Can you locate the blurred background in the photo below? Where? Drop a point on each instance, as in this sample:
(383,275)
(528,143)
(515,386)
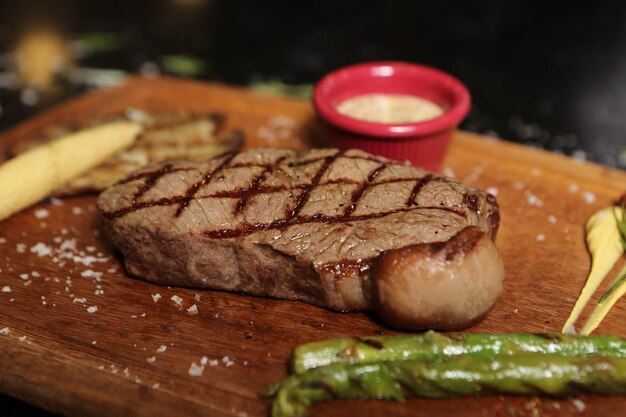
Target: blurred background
(546,74)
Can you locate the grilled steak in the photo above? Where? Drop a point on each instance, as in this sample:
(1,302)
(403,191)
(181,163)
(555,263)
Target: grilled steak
(308,226)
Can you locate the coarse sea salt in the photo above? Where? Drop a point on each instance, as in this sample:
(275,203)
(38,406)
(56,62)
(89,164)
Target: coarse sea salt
(156,297)
(42,213)
(177,300)
(20,248)
(579,405)
(589,197)
(552,219)
(88,273)
(541,237)
(41,249)
(532,199)
(151,359)
(193,309)
(3,240)
(79,300)
(5,331)
(162,349)
(493,191)
(92,309)
(195,369)
(6,288)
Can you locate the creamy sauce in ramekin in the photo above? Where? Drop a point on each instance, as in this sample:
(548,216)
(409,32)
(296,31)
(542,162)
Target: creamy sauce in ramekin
(389,108)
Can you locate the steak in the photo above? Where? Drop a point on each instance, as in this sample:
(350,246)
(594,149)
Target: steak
(298,225)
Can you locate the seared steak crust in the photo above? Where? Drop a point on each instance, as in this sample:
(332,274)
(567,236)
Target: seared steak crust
(277,222)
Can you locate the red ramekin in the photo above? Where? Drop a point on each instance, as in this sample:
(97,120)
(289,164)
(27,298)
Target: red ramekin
(423,144)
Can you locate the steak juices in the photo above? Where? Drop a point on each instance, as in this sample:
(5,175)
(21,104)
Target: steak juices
(345,230)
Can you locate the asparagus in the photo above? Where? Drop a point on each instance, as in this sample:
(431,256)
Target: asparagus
(522,375)
(433,346)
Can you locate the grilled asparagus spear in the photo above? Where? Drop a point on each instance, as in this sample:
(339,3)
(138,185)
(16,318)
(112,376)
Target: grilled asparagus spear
(524,375)
(433,346)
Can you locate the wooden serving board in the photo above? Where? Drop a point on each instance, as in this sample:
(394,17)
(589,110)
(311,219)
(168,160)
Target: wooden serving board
(79,337)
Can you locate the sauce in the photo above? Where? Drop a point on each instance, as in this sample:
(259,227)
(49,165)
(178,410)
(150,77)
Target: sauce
(390,108)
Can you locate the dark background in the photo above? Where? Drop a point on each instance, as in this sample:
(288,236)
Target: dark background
(546,74)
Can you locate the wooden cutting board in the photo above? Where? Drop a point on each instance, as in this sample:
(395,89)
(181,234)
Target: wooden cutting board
(79,337)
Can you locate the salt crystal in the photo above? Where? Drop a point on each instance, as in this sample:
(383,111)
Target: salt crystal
(151,359)
(541,237)
(126,372)
(193,309)
(101,367)
(20,248)
(552,219)
(93,342)
(589,197)
(176,299)
(41,213)
(573,188)
(242,414)
(112,270)
(197,297)
(27,283)
(77,211)
(196,370)
(162,349)
(532,199)
(92,309)
(88,273)
(21,338)
(5,331)
(35,274)
(3,240)
(57,239)
(90,248)
(64,231)
(56,202)
(88,260)
(156,297)
(493,191)
(79,300)
(156,385)
(41,249)
(214,362)
(204,360)
(578,404)
(68,244)
(6,288)
(448,172)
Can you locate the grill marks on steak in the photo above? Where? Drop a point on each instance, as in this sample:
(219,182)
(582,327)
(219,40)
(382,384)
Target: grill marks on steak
(328,213)
(256,188)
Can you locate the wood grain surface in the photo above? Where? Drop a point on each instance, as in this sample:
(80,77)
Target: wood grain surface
(79,337)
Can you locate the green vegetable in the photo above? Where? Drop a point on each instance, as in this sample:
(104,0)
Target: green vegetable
(184,65)
(433,346)
(524,375)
